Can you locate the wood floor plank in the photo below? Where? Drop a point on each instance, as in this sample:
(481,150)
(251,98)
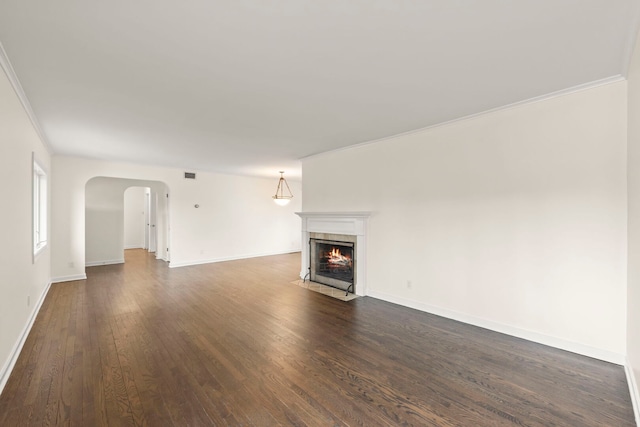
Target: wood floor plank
(237,344)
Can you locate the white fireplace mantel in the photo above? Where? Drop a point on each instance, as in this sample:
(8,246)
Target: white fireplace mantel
(347,223)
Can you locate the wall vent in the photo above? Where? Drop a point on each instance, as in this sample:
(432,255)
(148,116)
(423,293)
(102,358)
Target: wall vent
(189,175)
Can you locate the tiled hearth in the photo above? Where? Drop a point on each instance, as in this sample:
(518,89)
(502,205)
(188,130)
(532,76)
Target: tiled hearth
(326,290)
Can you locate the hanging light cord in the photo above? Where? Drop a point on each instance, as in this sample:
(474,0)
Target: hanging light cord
(280,189)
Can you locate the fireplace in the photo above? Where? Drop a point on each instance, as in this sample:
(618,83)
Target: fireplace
(332,263)
(350,227)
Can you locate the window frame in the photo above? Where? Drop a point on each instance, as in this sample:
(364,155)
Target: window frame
(40,188)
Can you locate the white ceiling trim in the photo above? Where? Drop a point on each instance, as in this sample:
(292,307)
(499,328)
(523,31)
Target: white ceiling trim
(17,88)
(563,92)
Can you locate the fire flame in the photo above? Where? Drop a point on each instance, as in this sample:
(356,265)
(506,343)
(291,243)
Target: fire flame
(336,257)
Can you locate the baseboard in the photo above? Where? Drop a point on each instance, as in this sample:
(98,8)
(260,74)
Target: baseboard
(585,350)
(17,348)
(175,264)
(634,392)
(133,247)
(70,278)
(106,262)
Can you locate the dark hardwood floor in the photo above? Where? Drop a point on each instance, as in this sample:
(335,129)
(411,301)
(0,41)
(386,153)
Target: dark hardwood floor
(236,343)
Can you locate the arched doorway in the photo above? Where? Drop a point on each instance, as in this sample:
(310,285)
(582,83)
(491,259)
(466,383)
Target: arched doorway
(105,219)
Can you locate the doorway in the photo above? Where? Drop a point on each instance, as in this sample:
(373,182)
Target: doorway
(125,214)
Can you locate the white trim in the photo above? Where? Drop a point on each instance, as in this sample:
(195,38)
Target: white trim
(39,178)
(70,278)
(105,262)
(634,392)
(133,247)
(562,92)
(5,64)
(231,258)
(562,344)
(17,348)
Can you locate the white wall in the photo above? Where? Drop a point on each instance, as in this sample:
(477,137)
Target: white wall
(513,220)
(134,217)
(21,279)
(236,218)
(633,289)
(104,222)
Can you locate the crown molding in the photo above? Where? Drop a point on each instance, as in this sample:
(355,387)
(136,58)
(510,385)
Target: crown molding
(579,88)
(5,64)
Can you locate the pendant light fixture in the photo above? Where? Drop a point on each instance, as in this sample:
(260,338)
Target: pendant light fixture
(282,197)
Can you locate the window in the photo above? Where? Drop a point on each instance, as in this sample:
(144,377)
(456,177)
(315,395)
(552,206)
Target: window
(39,208)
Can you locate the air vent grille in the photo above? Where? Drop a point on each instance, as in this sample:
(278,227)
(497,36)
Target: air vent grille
(189,175)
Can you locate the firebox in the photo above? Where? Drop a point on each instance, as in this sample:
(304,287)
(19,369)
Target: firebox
(332,263)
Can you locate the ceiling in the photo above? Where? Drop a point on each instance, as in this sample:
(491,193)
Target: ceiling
(251,86)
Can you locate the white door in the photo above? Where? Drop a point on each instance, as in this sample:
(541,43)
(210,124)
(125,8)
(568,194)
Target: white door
(153,233)
(147,220)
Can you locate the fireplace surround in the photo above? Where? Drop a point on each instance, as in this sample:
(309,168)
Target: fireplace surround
(345,227)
